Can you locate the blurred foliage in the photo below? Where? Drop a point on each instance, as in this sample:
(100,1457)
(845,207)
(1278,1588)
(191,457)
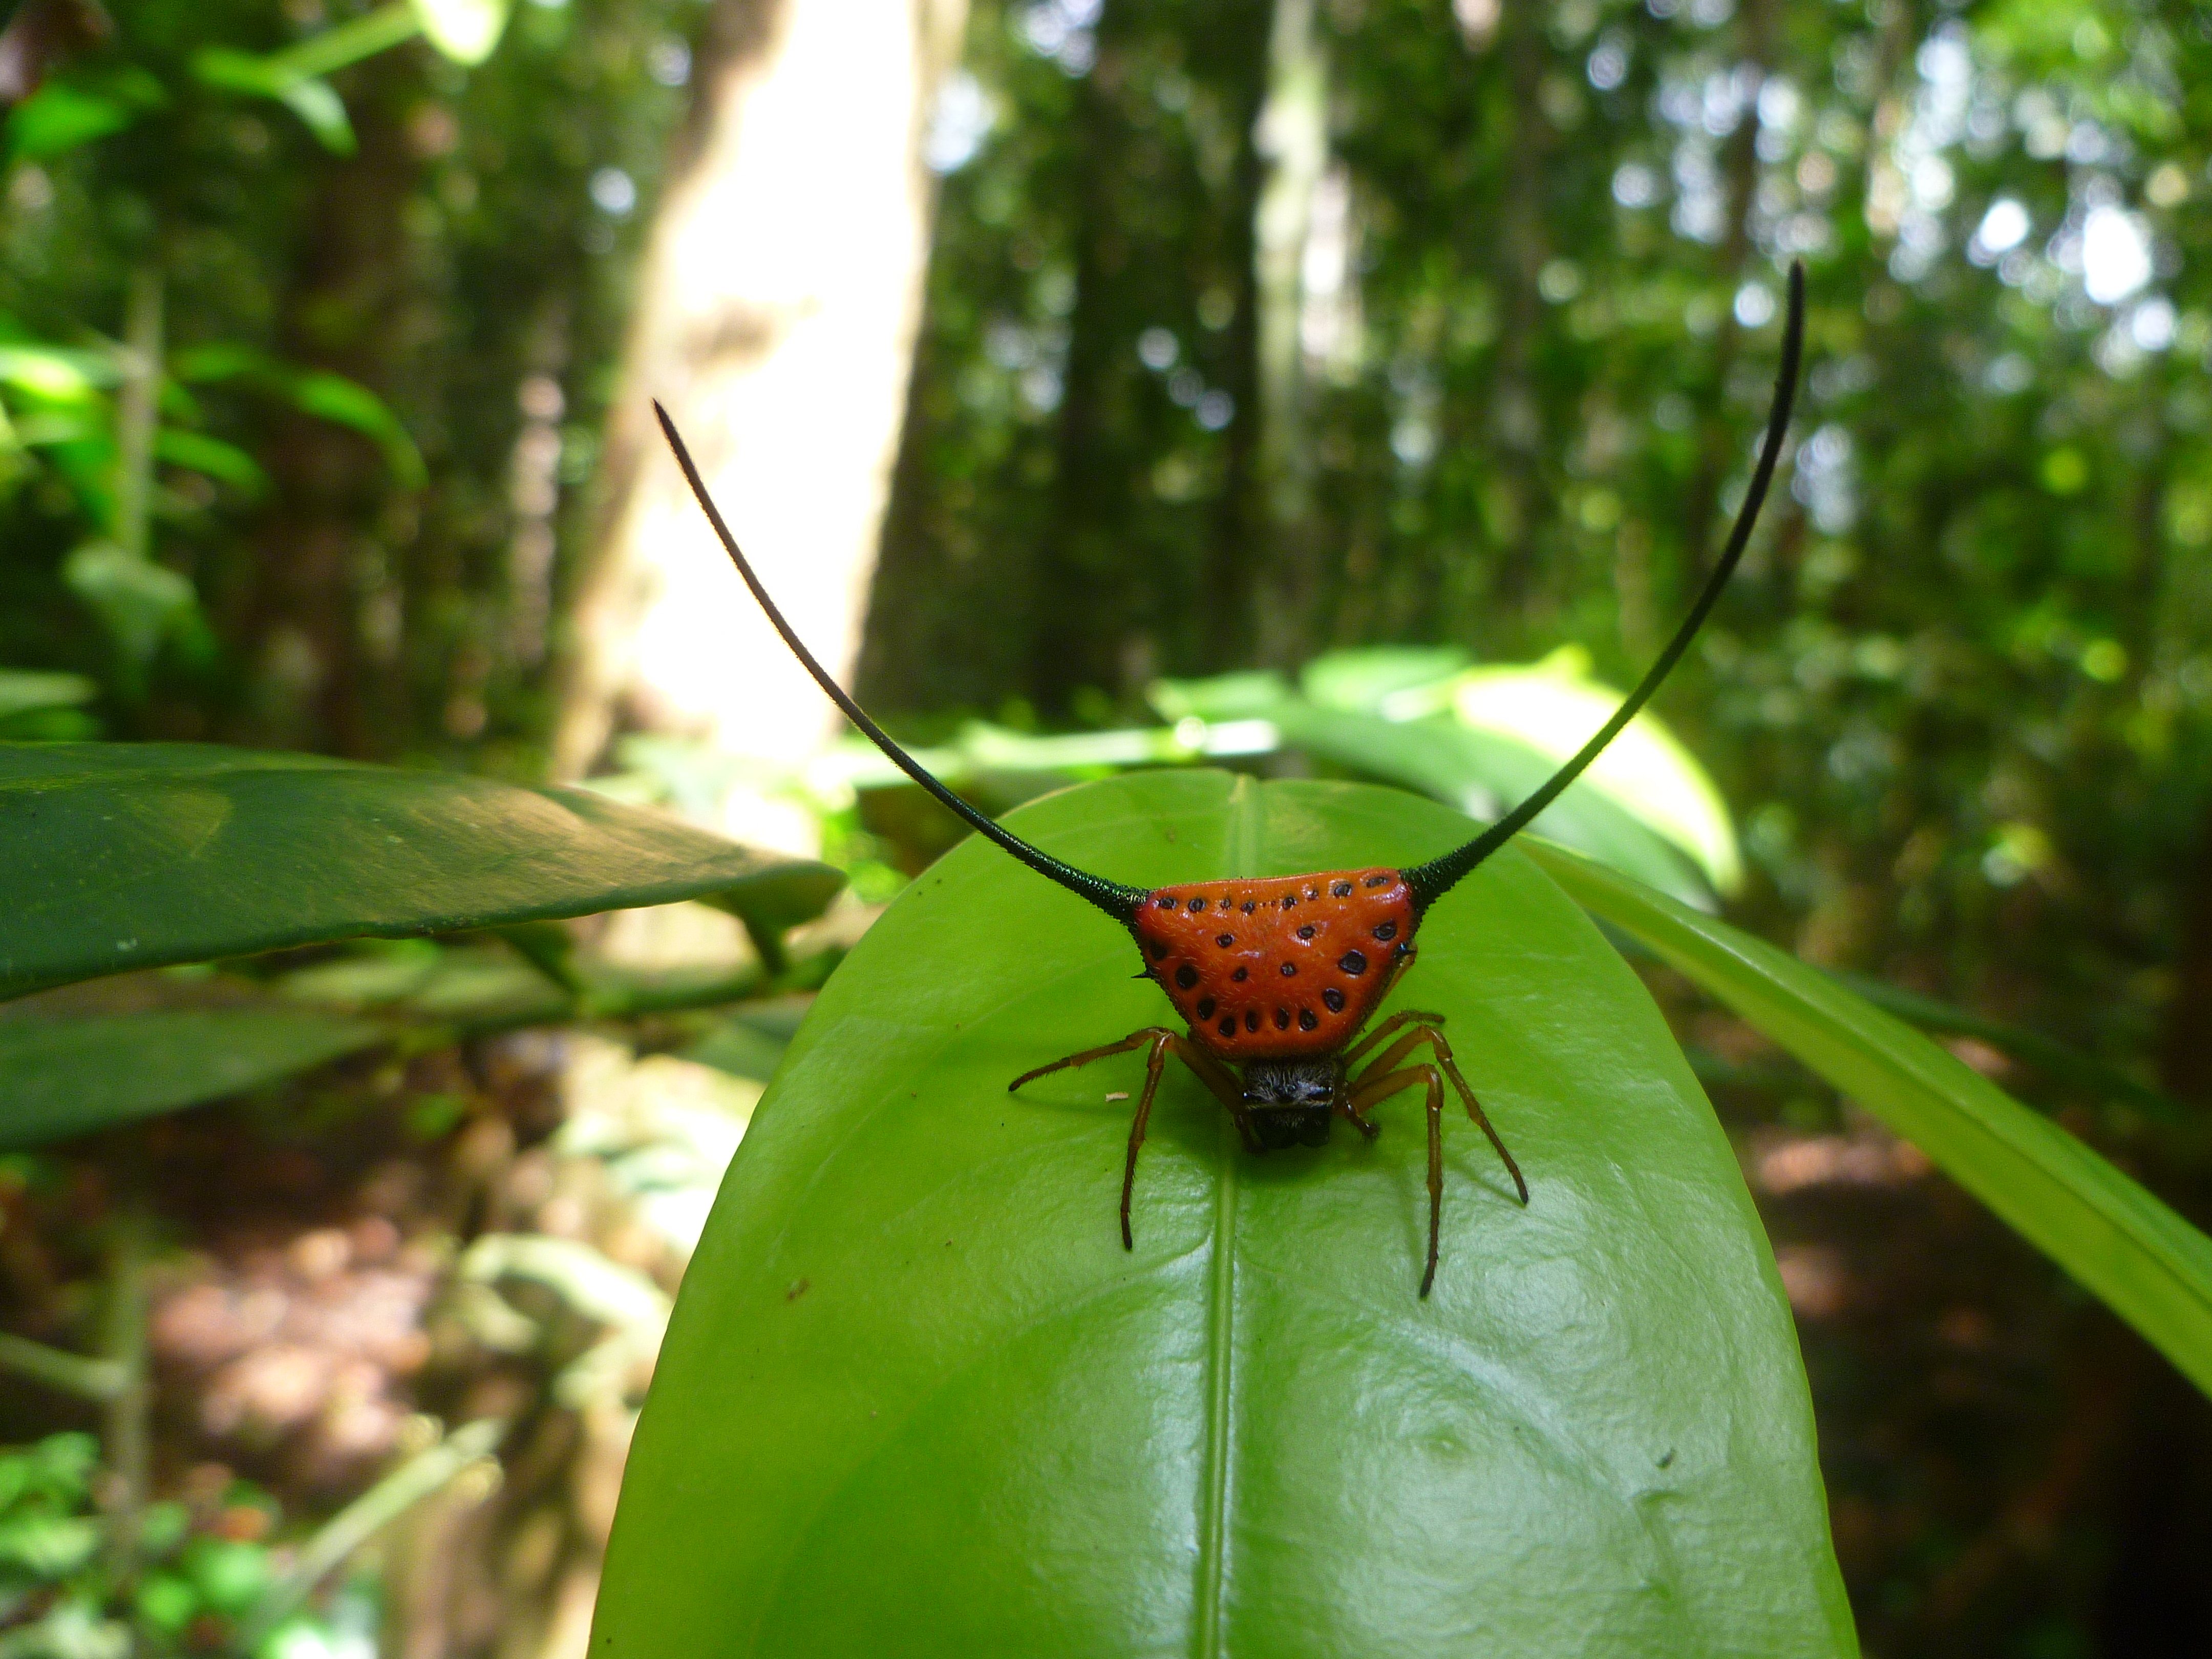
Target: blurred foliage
(1957,701)
(205,1567)
(380,267)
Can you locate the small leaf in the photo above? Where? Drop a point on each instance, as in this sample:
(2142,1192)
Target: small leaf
(115,856)
(1364,680)
(348,402)
(916,1398)
(23,689)
(69,1077)
(219,460)
(79,107)
(323,112)
(2122,1244)
(314,391)
(139,601)
(56,375)
(1224,697)
(465,30)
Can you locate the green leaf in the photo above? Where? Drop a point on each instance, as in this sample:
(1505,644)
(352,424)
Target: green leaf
(2124,1246)
(79,107)
(1483,773)
(1364,712)
(1366,680)
(323,112)
(915,1400)
(348,402)
(251,76)
(1258,693)
(201,453)
(139,601)
(23,688)
(115,856)
(316,392)
(68,1077)
(465,30)
(55,373)
(1554,705)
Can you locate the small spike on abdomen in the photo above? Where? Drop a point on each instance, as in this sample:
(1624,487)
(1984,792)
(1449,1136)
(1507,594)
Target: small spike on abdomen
(1280,967)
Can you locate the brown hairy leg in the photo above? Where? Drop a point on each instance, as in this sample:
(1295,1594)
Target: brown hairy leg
(1426,1028)
(1372,1089)
(1158,1042)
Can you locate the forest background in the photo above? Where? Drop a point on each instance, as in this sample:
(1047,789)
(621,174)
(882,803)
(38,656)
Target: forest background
(1246,334)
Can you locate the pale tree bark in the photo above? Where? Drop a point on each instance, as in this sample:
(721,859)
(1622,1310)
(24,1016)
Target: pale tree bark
(1293,142)
(778,305)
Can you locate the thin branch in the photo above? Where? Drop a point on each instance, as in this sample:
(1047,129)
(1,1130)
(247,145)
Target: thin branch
(96,1380)
(418,1478)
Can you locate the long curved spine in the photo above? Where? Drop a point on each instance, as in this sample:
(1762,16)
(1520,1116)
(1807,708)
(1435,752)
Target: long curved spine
(1432,880)
(1116,900)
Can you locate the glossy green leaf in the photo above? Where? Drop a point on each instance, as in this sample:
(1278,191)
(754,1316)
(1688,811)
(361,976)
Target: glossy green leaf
(62,1077)
(1480,738)
(916,1401)
(2124,1246)
(1554,707)
(115,856)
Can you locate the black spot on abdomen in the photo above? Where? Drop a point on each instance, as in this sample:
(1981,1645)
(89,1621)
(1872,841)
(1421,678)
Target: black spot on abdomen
(1186,977)
(1353,963)
(1334,998)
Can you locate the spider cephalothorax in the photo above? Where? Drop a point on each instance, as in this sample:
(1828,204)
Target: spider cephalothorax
(1280,975)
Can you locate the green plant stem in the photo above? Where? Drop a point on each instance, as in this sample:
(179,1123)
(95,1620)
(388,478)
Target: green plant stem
(349,43)
(130,1406)
(138,410)
(359,1520)
(97,1380)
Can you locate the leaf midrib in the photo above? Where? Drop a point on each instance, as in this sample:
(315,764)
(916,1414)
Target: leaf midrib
(1242,859)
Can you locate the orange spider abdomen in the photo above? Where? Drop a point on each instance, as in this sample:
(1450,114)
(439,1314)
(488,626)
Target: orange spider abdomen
(1274,969)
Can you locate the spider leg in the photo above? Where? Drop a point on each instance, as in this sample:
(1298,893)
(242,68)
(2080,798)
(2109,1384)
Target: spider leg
(1373,1089)
(1404,1017)
(1134,1040)
(1159,1042)
(1155,1059)
(1226,1089)
(1427,1032)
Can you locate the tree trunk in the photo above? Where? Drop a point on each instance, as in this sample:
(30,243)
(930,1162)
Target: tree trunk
(777,308)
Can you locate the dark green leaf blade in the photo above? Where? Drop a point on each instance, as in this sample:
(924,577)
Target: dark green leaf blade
(117,856)
(62,1076)
(916,1399)
(2124,1246)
